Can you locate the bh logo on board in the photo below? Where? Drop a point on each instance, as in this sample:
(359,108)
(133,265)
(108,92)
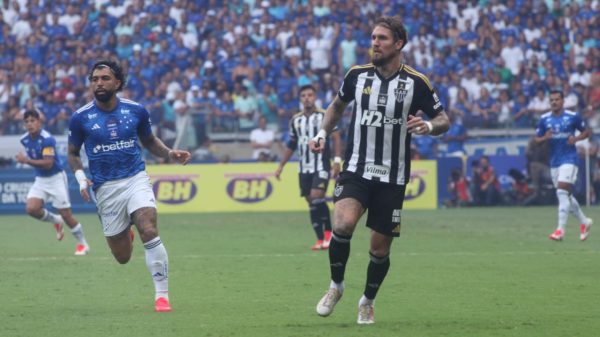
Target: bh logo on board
(249,187)
(174,189)
(416,186)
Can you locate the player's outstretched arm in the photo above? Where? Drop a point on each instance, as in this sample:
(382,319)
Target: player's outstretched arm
(334,113)
(286,157)
(76,165)
(159,149)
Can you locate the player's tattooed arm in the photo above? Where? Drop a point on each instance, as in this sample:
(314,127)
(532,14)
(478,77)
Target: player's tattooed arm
(159,149)
(73,158)
(156,146)
(334,113)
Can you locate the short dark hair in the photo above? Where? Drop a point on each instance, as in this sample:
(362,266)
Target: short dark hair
(307,87)
(394,24)
(114,67)
(557,91)
(33,113)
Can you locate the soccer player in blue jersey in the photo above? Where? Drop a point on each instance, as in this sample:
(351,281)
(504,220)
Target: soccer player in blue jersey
(50,181)
(111,129)
(558,128)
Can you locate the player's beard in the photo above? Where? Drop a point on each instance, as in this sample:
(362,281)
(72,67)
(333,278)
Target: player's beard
(104,96)
(381,61)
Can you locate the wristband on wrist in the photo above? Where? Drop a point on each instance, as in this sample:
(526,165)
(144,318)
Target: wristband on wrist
(429,126)
(321,134)
(337,160)
(81,179)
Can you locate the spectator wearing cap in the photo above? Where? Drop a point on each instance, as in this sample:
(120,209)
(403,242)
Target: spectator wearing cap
(65,112)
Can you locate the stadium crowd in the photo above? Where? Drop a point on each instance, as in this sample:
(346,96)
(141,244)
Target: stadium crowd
(220,65)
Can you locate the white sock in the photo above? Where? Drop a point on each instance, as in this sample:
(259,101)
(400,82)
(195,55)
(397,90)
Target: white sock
(51,217)
(338,286)
(364,300)
(77,232)
(576,210)
(157,262)
(563,208)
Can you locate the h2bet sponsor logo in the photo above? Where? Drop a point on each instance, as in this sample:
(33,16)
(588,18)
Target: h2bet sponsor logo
(174,189)
(377,119)
(249,188)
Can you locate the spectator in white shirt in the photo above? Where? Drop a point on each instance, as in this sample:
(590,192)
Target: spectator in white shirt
(261,140)
(512,56)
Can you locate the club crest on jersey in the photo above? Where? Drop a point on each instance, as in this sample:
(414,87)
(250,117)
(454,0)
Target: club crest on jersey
(400,93)
(338,190)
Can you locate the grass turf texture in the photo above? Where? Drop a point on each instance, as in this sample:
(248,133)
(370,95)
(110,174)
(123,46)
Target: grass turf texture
(456,272)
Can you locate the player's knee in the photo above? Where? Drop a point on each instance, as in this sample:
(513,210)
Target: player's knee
(122,257)
(33,211)
(343,228)
(379,254)
(148,233)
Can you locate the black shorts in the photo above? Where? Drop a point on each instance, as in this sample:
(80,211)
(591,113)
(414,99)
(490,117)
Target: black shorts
(384,201)
(308,181)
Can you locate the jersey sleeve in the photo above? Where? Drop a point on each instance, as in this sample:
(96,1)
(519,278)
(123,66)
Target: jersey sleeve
(427,100)
(292,144)
(76,131)
(580,123)
(145,126)
(348,87)
(49,147)
(540,129)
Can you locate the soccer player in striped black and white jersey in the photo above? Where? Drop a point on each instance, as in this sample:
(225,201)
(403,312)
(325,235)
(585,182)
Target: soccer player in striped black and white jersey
(390,99)
(313,168)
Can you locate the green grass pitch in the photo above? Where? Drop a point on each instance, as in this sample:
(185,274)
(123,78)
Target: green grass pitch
(455,272)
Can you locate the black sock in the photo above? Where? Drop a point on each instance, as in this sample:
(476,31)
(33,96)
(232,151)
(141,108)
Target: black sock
(315,222)
(324,217)
(378,268)
(339,251)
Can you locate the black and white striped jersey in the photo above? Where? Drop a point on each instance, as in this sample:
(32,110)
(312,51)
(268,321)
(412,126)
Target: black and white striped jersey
(378,142)
(302,129)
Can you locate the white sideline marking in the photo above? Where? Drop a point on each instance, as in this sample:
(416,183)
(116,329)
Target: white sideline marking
(265,255)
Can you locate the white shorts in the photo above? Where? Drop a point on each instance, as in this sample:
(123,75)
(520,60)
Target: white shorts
(565,173)
(118,199)
(54,188)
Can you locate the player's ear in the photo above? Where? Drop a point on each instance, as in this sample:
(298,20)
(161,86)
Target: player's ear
(399,44)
